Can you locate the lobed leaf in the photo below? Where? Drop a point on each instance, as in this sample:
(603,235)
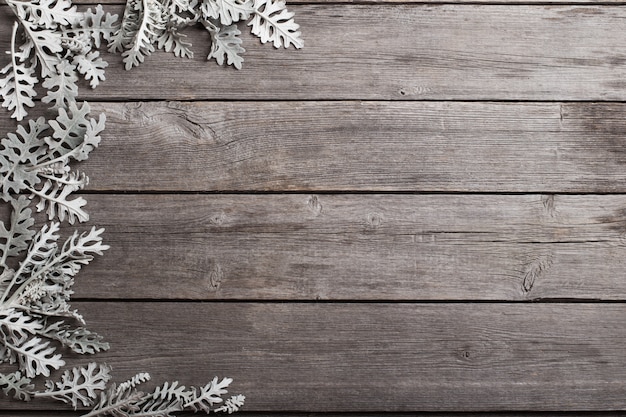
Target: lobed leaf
(172,40)
(273,23)
(54,198)
(98,25)
(36,357)
(17,89)
(227,11)
(20,385)
(209,395)
(79,340)
(91,66)
(79,385)
(69,129)
(61,86)
(17,237)
(18,326)
(226,46)
(232,404)
(46,13)
(20,151)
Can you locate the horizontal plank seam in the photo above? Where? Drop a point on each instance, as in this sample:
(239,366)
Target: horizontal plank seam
(344,192)
(505,413)
(559,301)
(434,3)
(117,100)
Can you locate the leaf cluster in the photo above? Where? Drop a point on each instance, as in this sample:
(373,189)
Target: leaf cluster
(53,42)
(35,160)
(57,45)
(38,270)
(148,25)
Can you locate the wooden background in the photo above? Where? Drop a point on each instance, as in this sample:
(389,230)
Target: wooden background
(424,210)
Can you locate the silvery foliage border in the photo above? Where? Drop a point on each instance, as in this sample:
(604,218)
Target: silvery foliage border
(54,44)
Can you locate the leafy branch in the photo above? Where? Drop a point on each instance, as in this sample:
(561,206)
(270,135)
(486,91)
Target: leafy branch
(37,272)
(60,45)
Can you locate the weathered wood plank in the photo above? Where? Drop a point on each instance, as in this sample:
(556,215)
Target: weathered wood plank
(486,2)
(373,357)
(355,247)
(360,146)
(34,413)
(402,52)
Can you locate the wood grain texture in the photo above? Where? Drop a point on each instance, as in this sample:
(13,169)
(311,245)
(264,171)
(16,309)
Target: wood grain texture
(372,357)
(360,146)
(356,247)
(243,413)
(436,2)
(401,52)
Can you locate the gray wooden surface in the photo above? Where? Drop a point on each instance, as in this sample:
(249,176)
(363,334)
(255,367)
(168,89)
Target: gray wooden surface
(423,210)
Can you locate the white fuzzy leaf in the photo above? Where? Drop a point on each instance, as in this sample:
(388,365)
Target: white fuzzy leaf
(20,151)
(47,44)
(47,13)
(18,326)
(227,11)
(273,23)
(20,385)
(226,46)
(42,248)
(165,400)
(55,198)
(79,385)
(232,404)
(118,402)
(18,235)
(61,85)
(98,25)
(123,37)
(36,357)
(150,27)
(17,89)
(135,381)
(209,395)
(69,129)
(173,41)
(91,66)
(91,139)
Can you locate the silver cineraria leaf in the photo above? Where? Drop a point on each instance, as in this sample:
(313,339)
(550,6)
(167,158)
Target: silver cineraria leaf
(61,86)
(91,66)
(150,27)
(17,236)
(209,395)
(79,340)
(18,89)
(232,404)
(36,356)
(98,25)
(117,402)
(165,400)
(20,151)
(46,13)
(171,40)
(273,23)
(54,198)
(226,46)
(78,386)
(69,129)
(17,385)
(17,326)
(227,11)
(17,86)
(134,382)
